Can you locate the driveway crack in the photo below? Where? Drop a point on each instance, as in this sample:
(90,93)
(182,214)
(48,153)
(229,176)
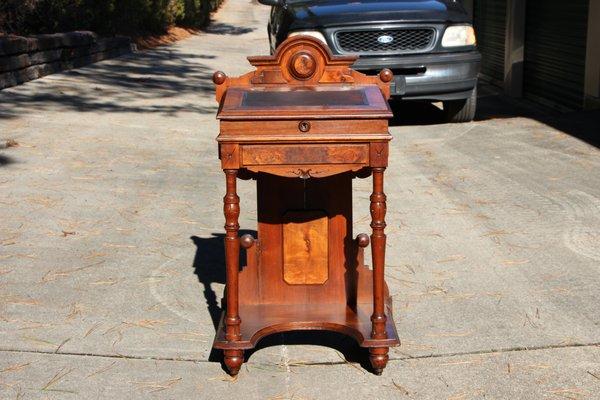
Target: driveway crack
(402,358)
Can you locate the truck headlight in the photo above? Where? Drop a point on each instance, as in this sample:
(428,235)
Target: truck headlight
(459,36)
(315,34)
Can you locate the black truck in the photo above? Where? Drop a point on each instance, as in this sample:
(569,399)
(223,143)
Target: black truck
(429,44)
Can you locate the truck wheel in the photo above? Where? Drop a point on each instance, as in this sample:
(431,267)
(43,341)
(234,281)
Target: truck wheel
(461,110)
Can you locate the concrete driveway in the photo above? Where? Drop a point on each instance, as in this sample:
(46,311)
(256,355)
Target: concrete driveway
(111,255)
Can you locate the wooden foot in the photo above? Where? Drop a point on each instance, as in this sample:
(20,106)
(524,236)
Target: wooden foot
(379,358)
(234,360)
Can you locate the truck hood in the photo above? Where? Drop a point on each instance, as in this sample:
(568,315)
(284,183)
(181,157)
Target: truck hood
(326,13)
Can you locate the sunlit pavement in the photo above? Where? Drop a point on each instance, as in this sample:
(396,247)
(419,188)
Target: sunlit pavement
(111,259)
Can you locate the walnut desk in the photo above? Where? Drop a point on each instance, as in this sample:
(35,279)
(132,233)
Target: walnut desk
(303,124)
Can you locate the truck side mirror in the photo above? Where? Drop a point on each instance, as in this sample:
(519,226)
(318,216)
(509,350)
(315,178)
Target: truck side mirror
(271,2)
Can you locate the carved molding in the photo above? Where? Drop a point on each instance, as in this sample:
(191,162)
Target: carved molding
(299,61)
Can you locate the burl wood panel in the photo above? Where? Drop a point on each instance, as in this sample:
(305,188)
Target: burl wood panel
(305,154)
(276,196)
(305,247)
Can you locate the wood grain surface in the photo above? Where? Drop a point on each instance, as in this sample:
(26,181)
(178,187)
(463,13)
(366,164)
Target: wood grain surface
(305,250)
(306,154)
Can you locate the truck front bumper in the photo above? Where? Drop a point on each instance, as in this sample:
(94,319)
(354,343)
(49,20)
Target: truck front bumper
(434,77)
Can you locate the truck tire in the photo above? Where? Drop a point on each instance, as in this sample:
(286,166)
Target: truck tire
(461,110)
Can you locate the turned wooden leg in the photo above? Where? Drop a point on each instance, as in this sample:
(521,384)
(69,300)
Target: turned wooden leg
(379,358)
(231,208)
(233,360)
(378,355)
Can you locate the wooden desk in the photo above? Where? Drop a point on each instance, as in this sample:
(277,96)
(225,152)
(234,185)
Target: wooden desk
(303,125)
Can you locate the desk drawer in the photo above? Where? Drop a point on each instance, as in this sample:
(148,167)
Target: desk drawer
(305,154)
(280,128)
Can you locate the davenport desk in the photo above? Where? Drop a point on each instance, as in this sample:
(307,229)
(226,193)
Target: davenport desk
(303,124)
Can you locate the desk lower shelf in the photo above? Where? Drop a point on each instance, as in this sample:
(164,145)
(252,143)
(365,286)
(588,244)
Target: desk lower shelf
(259,321)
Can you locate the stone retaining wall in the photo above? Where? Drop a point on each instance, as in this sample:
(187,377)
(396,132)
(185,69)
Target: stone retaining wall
(24,59)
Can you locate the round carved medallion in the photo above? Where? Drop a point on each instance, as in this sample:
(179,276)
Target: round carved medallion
(303,65)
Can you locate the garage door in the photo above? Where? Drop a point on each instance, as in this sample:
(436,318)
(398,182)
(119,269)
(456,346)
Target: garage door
(489,19)
(555,45)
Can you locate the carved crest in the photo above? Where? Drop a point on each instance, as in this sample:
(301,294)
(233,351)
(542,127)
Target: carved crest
(302,61)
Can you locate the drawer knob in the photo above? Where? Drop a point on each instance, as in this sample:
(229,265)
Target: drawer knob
(304,126)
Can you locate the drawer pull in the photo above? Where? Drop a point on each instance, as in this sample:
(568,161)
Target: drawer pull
(304,126)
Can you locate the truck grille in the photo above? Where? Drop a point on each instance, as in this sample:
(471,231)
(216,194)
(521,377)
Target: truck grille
(405,40)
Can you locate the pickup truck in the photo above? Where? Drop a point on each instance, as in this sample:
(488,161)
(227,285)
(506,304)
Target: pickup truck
(430,45)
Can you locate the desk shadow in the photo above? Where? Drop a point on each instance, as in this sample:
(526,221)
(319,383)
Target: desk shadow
(5,160)
(349,350)
(209,267)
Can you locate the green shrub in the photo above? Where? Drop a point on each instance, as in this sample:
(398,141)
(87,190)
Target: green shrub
(102,16)
(54,16)
(195,12)
(13,14)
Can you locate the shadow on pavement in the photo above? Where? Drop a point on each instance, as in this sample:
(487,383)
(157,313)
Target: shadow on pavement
(209,267)
(220,28)
(5,160)
(584,125)
(415,113)
(122,85)
(349,350)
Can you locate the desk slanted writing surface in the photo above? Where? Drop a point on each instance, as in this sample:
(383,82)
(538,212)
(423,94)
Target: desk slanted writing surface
(303,125)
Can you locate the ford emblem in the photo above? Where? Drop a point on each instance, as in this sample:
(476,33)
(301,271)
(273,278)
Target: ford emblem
(385,39)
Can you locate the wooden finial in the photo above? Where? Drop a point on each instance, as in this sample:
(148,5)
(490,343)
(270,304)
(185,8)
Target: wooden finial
(363,240)
(247,241)
(386,75)
(219,77)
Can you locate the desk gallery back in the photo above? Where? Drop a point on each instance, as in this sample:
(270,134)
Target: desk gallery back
(303,124)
